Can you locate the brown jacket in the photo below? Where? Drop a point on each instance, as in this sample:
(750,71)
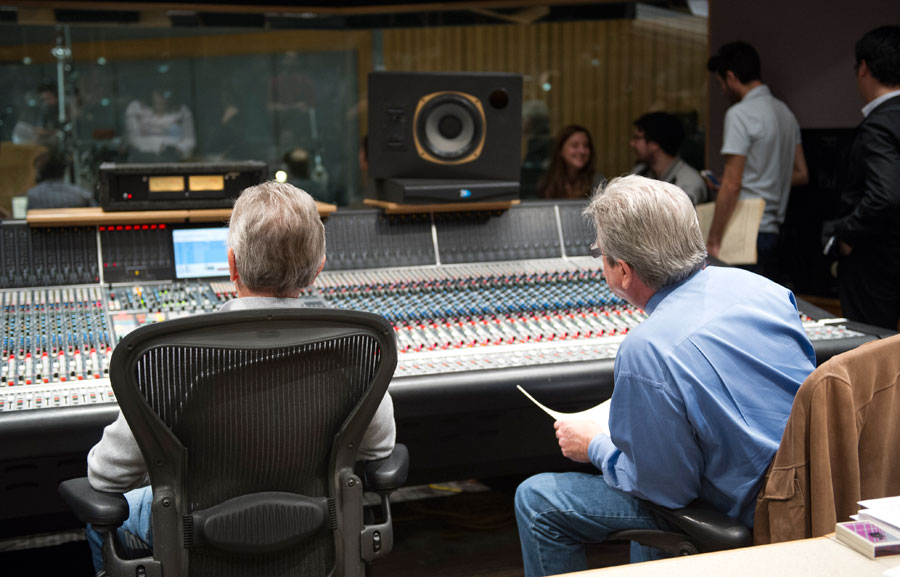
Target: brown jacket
(841,444)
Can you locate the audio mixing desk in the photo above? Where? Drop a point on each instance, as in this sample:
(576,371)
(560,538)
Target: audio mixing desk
(480,303)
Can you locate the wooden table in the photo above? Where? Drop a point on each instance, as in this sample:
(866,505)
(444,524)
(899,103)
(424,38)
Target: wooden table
(94,215)
(819,557)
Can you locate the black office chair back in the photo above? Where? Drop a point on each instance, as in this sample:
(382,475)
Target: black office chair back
(252,408)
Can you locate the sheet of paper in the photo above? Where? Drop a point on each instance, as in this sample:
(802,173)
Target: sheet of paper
(739,240)
(598,414)
(882,502)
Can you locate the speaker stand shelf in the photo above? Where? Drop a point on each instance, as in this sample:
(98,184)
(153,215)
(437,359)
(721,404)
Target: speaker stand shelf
(397,208)
(94,215)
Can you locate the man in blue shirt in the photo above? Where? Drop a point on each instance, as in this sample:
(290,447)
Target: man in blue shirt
(703,387)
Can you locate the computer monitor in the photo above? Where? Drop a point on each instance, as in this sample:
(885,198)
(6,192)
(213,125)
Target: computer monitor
(200,252)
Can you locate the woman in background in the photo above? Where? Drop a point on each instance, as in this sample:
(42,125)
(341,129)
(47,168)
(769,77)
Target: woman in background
(571,173)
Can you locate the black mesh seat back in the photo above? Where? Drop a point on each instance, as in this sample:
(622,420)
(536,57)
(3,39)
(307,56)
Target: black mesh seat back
(249,420)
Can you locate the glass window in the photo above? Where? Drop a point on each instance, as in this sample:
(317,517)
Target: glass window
(177,87)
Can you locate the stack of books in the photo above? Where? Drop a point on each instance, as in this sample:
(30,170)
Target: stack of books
(875,530)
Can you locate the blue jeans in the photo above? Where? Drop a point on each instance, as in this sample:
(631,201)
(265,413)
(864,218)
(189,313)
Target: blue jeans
(134,536)
(768,256)
(559,513)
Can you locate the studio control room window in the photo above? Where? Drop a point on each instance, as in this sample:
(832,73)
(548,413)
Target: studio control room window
(91,84)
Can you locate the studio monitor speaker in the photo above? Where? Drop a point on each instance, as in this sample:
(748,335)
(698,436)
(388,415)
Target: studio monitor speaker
(445,127)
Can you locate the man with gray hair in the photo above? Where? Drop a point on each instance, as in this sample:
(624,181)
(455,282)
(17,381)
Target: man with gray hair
(276,247)
(703,387)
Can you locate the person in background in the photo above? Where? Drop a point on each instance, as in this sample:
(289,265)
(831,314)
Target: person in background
(655,140)
(43,129)
(297,162)
(869,232)
(763,154)
(159,131)
(268,221)
(703,387)
(571,173)
(52,191)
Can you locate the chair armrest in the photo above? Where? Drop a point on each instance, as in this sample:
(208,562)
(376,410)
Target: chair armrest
(707,527)
(93,506)
(389,473)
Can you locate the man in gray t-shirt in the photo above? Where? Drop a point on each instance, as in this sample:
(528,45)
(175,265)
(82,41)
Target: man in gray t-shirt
(763,154)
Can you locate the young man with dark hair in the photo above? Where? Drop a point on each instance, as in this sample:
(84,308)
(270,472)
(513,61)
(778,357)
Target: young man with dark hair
(763,154)
(655,140)
(869,230)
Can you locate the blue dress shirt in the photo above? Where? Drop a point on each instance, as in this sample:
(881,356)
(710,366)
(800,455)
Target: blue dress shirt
(703,390)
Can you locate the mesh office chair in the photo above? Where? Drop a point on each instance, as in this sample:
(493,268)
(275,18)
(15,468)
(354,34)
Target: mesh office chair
(249,423)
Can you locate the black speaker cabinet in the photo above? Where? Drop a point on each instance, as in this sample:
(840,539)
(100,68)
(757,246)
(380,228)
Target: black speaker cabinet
(439,137)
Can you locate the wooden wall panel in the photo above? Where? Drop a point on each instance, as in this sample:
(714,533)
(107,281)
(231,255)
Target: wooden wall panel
(601,74)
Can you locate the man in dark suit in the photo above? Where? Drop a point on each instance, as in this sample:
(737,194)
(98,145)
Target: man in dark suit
(869,230)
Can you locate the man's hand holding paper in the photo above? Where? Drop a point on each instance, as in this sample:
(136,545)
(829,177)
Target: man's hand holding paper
(575,431)
(575,436)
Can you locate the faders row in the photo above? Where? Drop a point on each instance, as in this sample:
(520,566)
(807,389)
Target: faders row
(464,292)
(45,396)
(54,335)
(490,316)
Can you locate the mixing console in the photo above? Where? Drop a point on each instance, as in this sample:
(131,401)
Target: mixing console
(447,319)
(479,302)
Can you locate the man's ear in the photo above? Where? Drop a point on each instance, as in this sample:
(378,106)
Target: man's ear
(232,266)
(862,69)
(321,266)
(627,275)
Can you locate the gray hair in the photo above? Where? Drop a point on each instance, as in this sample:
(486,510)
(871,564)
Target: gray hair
(277,238)
(651,225)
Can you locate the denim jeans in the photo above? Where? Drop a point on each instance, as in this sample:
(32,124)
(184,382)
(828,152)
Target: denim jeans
(135,538)
(559,513)
(768,256)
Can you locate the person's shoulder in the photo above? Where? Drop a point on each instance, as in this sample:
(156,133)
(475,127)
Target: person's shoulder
(884,116)
(687,171)
(744,286)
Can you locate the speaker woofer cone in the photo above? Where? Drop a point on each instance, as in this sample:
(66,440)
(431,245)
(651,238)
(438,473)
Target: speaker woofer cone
(449,127)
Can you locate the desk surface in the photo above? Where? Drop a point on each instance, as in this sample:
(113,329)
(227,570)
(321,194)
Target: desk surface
(820,557)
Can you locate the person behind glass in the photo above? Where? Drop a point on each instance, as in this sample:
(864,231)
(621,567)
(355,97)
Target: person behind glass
(44,128)
(868,233)
(655,140)
(703,387)
(268,221)
(571,173)
(159,131)
(52,191)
